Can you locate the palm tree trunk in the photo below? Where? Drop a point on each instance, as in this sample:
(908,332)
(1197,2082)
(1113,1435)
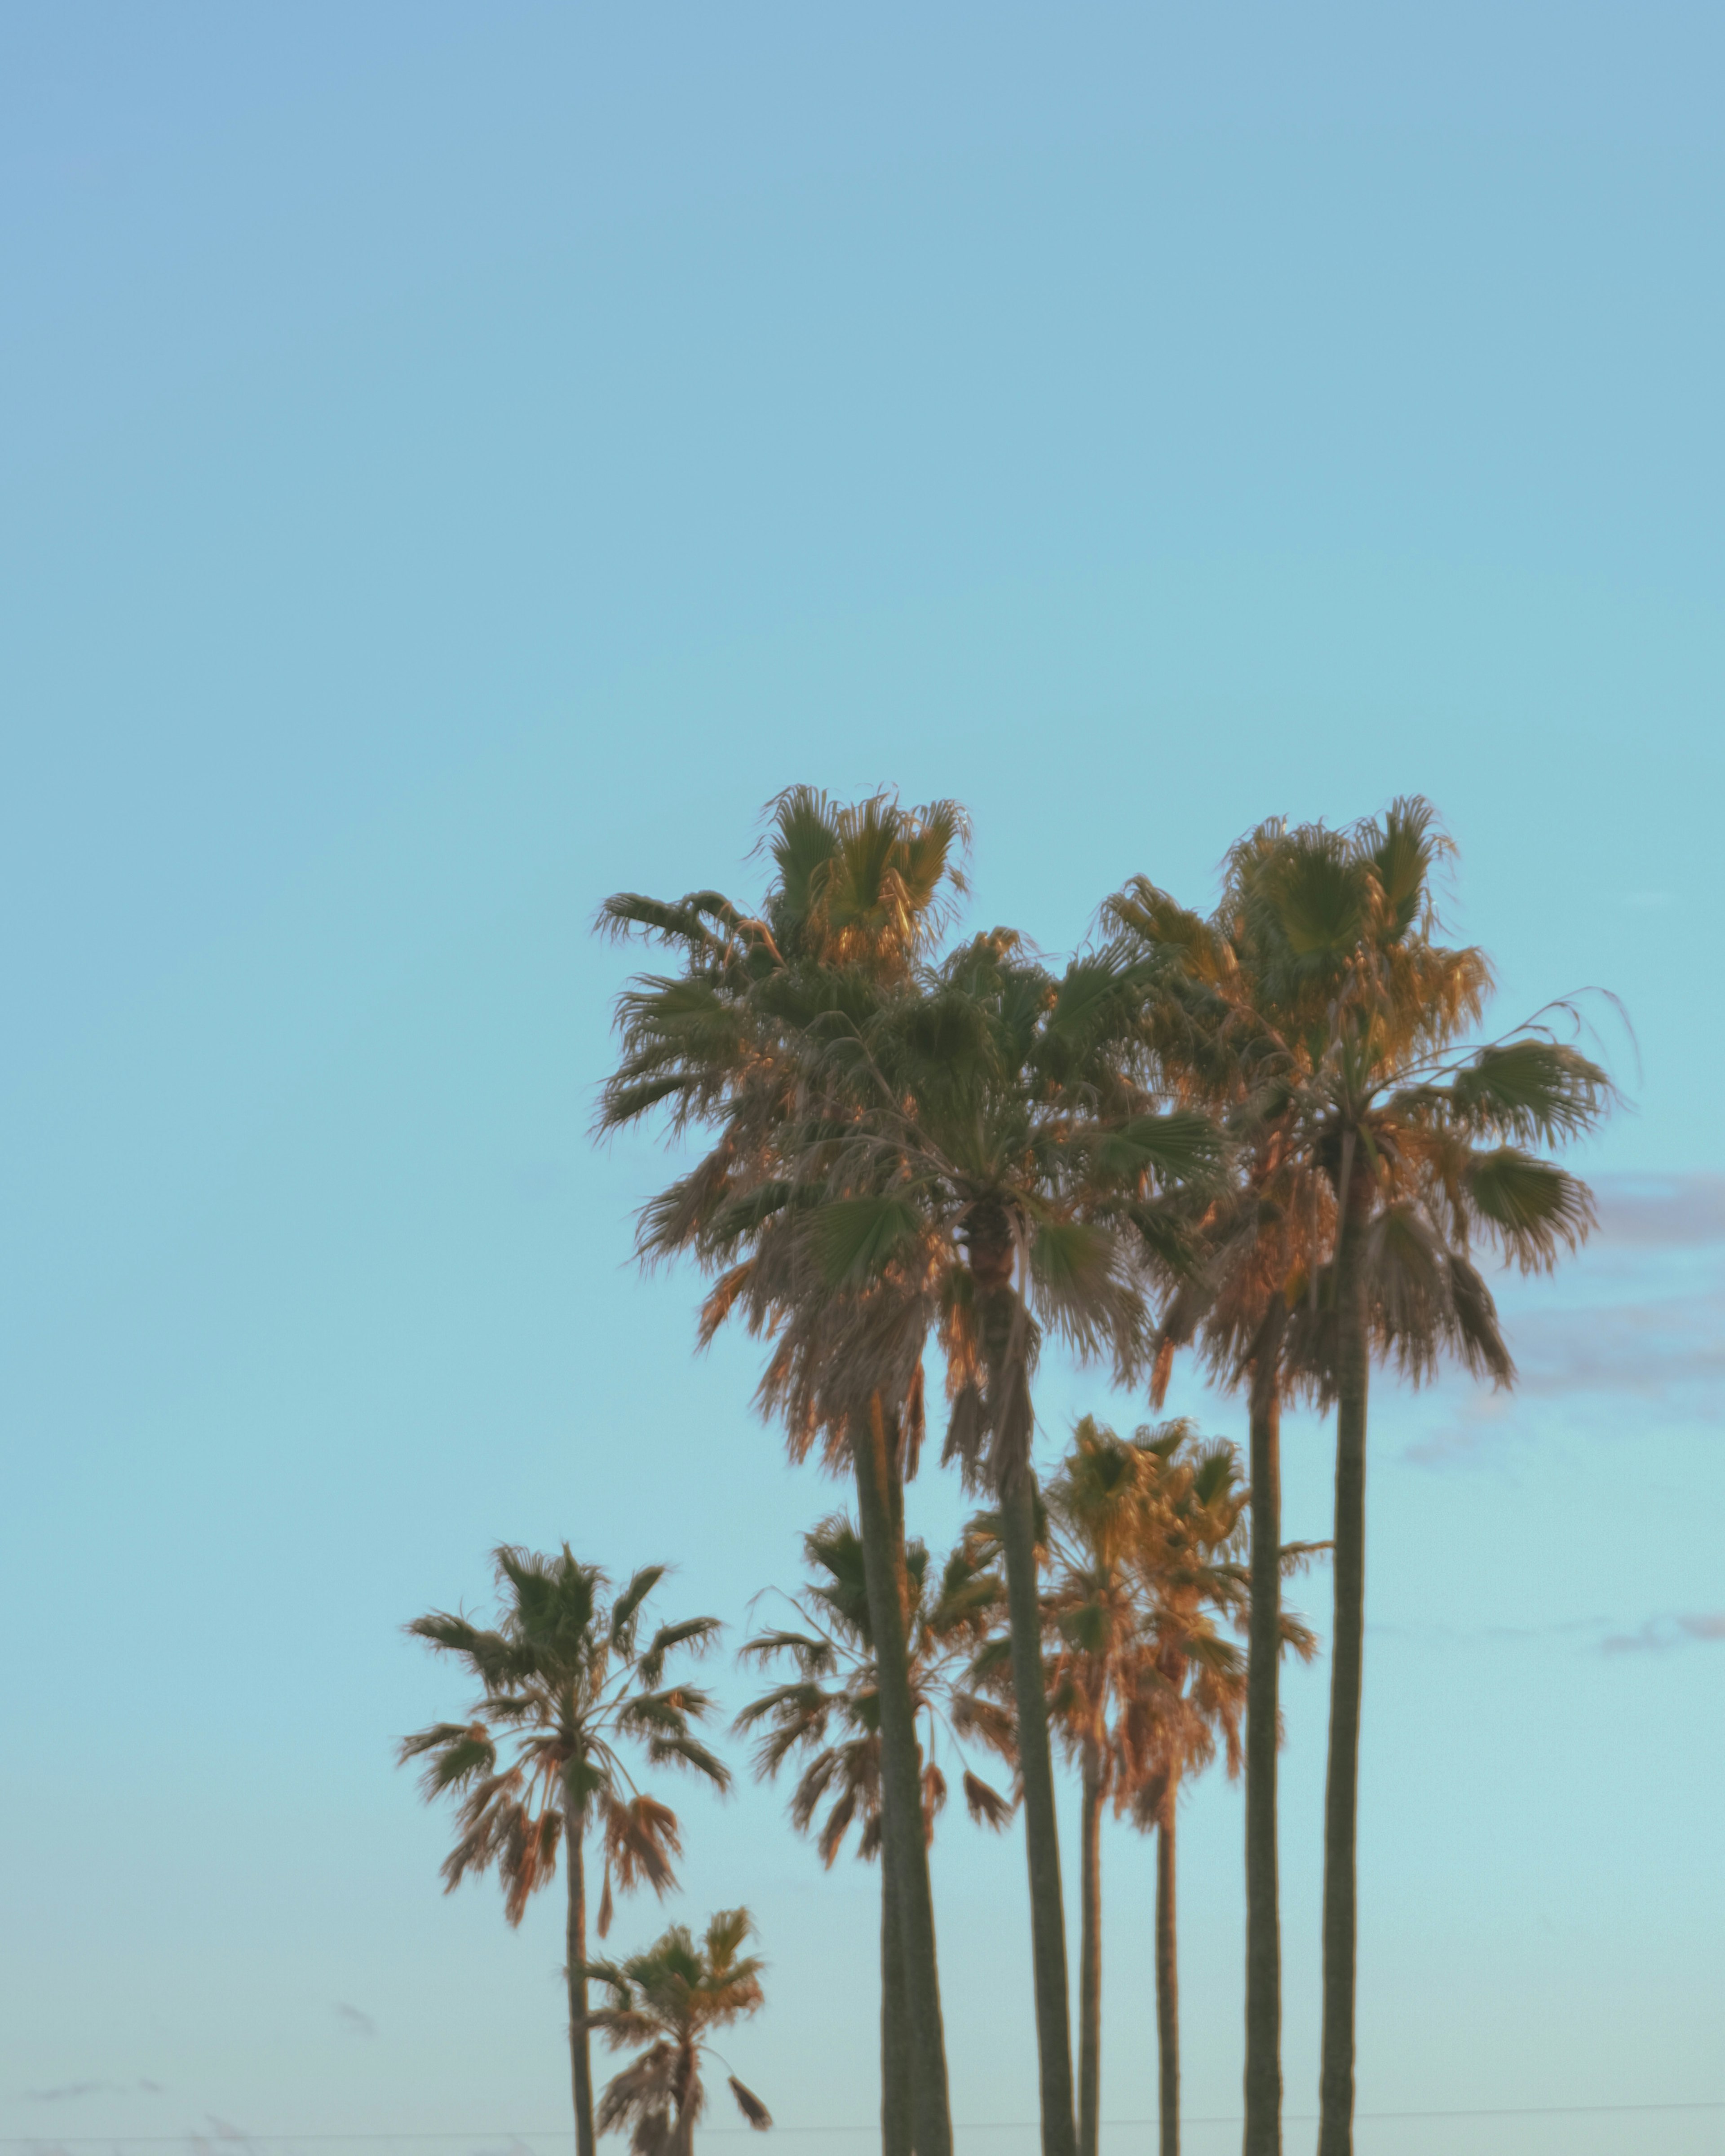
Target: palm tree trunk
(683,2134)
(1168,1981)
(896,2134)
(1263,1963)
(1089,1966)
(1335,2132)
(575,1942)
(1042,1847)
(925,2070)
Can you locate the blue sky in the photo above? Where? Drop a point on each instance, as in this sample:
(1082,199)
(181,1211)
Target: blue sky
(459,462)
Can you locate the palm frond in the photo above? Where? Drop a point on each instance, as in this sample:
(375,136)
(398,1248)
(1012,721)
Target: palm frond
(627,1606)
(986,1805)
(857,1238)
(751,2106)
(1531,1090)
(1531,1208)
(641,1838)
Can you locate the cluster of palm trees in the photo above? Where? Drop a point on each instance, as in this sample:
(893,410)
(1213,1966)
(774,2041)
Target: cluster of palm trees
(1260,1134)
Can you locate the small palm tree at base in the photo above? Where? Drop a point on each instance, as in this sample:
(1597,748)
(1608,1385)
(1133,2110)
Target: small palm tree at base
(565,1675)
(666,2001)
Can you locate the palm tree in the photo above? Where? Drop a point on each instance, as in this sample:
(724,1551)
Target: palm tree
(727,1043)
(565,1683)
(829,1715)
(1142,1685)
(666,2001)
(1212,1023)
(1107,1695)
(1415,1149)
(1006,1152)
(1185,1557)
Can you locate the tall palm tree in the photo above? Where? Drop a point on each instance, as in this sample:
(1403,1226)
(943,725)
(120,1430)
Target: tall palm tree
(566,1684)
(1419,1149)
(727,1043)
(1212,1019)
(1007,1150)
(829,1715)
(667,2000)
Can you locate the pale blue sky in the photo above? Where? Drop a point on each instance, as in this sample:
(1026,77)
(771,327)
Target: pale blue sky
(459,461)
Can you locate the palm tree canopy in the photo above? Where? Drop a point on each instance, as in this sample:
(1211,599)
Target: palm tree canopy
(1005,1127)
(830,1711)
(667,2000)
(1143,1548)
(1319,1011)
(567,1681)
(728,1042)
(1141,1566)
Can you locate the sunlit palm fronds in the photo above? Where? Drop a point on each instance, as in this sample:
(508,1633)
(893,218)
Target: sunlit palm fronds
(667,2000)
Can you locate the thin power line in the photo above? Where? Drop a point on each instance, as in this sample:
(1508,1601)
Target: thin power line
(959,2126)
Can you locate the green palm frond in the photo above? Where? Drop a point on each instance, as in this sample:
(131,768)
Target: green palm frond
(626,1607)
(1531,1090)
(562,1684)
(857,1238)
(697,1633)
(1531,1208)
(681,1750)
(815,1655)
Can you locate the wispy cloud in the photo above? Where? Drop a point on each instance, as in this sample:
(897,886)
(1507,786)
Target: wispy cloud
(68,2091)
(1660,1634)
(356,2023)
(1641,1325)
(1661,1212)
(1645,1350)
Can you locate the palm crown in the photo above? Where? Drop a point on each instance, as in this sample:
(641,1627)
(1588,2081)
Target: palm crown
(667,2000)
(1009,1142)
(1319,1011)
(566,1681)
(1143,1549)
(830,1711)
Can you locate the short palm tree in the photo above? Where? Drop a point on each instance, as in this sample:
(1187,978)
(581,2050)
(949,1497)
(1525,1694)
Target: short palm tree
(1412,1150)
(829,1715)
(1007,1150)
(1107,1697)
(1142,1686)
(1186,1558)
(729,1043)
(567,1685)
(668,2001)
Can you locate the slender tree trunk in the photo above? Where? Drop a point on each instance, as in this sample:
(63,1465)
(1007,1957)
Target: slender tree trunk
(683,2133)
(1263,1960)
(1042,1848)
(1167,1982)
(896,2133)
(575,1941)
(1090,1967)
(1335,2132)
(901,1782)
